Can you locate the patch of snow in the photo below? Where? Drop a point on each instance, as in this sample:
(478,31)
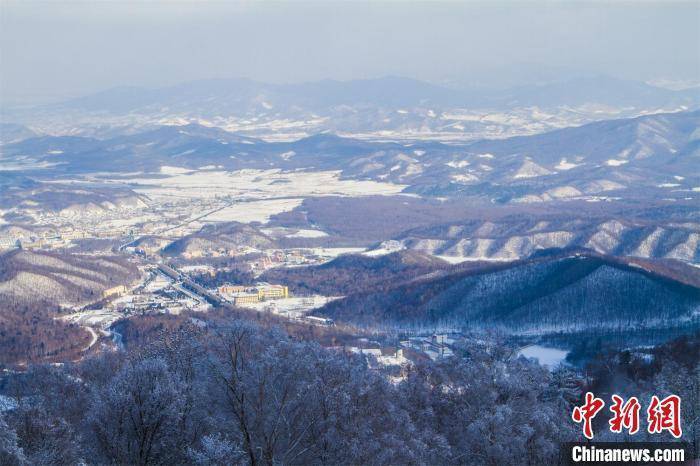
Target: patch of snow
(256,211)
(528,199)
(687,250)
(458,163)
(386,247)
(599,186)
(563,192)
(648,245)
(7,403)
(530,169)
(615,162)
(167,170)
(564,165)
(467,178)
(308,234)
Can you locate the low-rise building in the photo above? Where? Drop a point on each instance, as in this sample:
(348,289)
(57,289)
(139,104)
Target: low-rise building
(231,289)
(436,346)
(325,321)
(273,292)
(263,291)
(246,298)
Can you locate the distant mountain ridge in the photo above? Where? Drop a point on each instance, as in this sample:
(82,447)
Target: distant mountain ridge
(391,107)
(240,94)
(522,236)
(649,156)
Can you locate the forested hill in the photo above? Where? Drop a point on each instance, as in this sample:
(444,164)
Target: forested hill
(33,288)
(547,295)
(350,274)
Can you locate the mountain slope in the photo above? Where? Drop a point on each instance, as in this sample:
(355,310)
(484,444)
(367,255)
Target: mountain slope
(40,278)
(672,136)
(519,236)
(226,238)
(547,295)
(353,273)
(33,287)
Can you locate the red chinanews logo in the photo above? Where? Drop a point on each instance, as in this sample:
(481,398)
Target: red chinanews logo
(662,415)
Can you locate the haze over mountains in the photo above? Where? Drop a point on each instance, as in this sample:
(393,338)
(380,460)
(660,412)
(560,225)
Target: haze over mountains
(392,107)
(233,96)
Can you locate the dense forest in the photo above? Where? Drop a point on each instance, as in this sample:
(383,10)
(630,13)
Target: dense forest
(546,295)
(36,288)
(236,393)
(350,274)
(669,368)
(239,394)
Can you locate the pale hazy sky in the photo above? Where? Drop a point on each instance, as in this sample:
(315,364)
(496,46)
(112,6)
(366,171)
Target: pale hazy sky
(51,50)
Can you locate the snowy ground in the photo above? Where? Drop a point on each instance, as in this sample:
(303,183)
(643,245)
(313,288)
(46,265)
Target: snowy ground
(259,184)
(188,199)
(294,307)
(7,403)
(256,211)
(282,232)
(386,247)
(101,318)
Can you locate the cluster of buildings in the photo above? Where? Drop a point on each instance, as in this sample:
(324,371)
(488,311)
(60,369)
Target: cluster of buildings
(435,346)
(384,356)
(47,239)
(218,252)
(158,294)
(285,258)
(163,303)
(56,236)
(249,294)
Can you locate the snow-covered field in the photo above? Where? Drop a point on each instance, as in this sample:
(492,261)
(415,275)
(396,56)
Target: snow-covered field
(262,192)
(178,201)
(183,183)
(386,247)
(281,232)
(256,211)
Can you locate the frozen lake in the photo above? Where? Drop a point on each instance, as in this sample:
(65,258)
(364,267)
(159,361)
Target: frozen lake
(548,357)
